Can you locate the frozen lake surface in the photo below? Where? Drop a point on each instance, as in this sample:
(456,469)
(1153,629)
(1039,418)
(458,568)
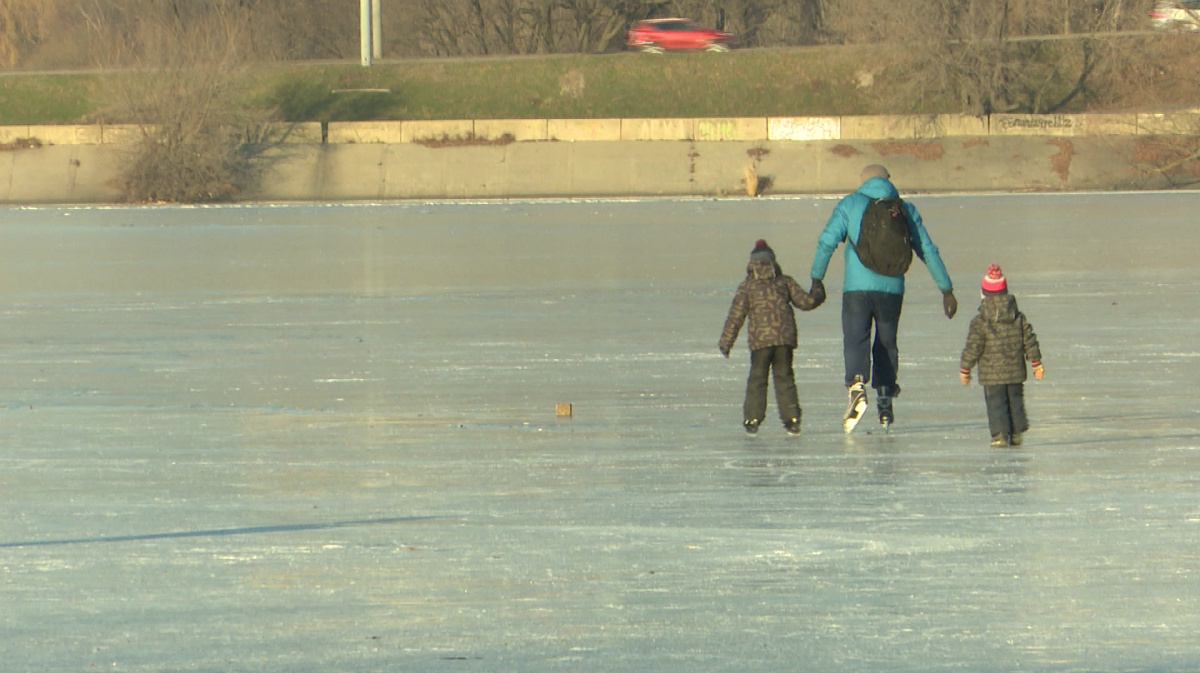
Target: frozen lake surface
(323,438)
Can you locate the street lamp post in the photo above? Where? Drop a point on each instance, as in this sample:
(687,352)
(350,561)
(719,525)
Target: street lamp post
(364,31)
(377,29)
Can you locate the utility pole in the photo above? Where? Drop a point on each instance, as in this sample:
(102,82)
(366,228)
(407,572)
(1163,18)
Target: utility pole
(377,29)
(364,31)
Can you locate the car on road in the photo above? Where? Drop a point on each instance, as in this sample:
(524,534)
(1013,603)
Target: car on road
(1175,15)
(655,36)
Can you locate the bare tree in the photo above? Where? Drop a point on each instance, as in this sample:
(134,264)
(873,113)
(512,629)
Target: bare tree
(23,25)
(756,22)
(60,33)
(981,53)
(454,28)
(311,29)
(466,27)
(597,24)
(199,141)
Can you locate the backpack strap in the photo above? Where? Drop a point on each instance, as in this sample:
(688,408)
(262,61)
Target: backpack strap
(846,238)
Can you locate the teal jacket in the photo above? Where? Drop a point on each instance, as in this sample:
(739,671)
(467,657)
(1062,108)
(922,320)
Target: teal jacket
(846,220)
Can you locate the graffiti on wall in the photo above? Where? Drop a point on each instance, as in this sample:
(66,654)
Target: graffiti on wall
(1036,122)
(716,129)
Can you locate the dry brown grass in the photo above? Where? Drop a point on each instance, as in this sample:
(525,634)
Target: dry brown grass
(23,24)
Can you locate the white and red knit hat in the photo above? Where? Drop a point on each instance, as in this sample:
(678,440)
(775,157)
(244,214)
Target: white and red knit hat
(993,280)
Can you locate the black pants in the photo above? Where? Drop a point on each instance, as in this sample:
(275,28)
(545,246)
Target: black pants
(1006,408)
(776,360)
(876,362)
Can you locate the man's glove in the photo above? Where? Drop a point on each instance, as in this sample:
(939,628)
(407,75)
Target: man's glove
(724,351)
(949,303)
(1038,371)
(964,376)
(817,292)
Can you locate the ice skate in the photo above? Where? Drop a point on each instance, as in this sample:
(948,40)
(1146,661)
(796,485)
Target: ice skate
(1016,439)
(793,427)
(999,440)
(883,401)
(856,406)
(751,427)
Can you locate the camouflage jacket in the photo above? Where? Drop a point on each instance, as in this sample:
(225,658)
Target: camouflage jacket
(766,297)
(1000,341)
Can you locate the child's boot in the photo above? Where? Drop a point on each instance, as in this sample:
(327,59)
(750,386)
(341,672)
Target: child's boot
(793,426)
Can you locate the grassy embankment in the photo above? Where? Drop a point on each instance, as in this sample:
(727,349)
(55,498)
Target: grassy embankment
(747,83)
(46,99)
(742,83)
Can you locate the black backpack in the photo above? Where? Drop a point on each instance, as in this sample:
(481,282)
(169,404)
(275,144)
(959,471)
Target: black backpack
(884,240)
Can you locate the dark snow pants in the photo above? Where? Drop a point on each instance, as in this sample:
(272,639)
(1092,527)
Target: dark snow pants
(776,361)
(1006,408)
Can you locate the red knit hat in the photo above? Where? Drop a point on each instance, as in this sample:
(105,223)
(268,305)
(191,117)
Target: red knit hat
(993,280)
(762,251)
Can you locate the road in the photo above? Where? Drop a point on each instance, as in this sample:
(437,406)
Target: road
(412,60)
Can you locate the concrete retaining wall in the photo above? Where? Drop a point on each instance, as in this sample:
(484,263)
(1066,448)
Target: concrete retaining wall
(639,157)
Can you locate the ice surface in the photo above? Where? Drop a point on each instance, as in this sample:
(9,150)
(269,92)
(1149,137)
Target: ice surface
(323,438)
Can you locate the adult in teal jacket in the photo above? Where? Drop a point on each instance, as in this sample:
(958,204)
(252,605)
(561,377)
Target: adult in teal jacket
(870,298)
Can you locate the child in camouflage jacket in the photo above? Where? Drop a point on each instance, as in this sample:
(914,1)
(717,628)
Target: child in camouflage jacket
(1000,341)
(766,298)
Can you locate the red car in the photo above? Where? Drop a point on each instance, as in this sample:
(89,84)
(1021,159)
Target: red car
(657,35)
